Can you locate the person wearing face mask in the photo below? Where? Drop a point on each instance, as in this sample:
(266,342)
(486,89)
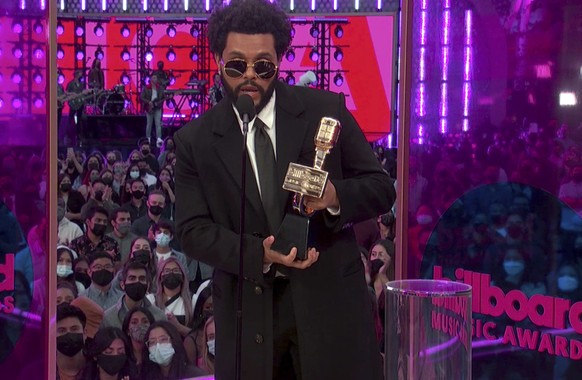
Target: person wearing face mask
(156,202)
(148,157)
(173,294)
(70,341)
(107,178)
(518,273)
(111,158)
(210,346)
(72,198)
(135,325)
(135,282)
(568,281)
(100,195)
(203,309)
(67,230)
(121,222)
(110,357)
(136,205)
(166,185)
(65,258)
(165,358)
(101,271)
(168,148)
(94,237)
(163,233)
(145,173)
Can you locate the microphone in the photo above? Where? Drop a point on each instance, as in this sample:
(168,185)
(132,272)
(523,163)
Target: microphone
(246,108)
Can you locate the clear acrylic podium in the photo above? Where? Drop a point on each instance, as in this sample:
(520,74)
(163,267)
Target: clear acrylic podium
(428,330)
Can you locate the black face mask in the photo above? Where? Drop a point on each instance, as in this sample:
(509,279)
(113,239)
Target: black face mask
(145,152)
(111,364)
(142,172)
(169,146)
(65,187)
(141,256)
(156,210)
(83,278)
(99,195)
(108,181)
(70,165)
(93,166)
(70,344)
(99,229)
(111,161)
(138,194)
(102,277)
(134,162)
(172,280)
(136,291)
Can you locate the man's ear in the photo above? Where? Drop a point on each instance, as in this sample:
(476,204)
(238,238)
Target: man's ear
(217,60)
(122,285)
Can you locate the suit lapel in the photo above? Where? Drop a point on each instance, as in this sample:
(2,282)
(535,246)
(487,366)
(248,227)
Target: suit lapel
(228,142)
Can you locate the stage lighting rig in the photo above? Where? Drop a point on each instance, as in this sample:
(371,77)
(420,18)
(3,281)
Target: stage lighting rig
(194,54)
(124,78)
(98,30)
(338,31)
(290,55)
(149,31)
(195,31)
(125,32)
(171,54)
(149,55)
(338,79)
(38,27)
(60,28)
(290,78)
(99,54)
(80,54)
(338,54)
(314,54)
(314,31)
(125,54)
(171,31)
(79,31)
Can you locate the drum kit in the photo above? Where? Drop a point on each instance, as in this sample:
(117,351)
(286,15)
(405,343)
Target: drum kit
(113,102)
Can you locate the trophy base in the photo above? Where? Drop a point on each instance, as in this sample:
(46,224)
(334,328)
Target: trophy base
(293,232)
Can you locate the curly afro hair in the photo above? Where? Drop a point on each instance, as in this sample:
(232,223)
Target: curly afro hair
(249,17)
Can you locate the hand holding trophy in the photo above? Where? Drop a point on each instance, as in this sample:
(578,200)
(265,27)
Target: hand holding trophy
(306,181)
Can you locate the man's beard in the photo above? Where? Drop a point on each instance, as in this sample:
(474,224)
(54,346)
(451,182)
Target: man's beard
(234,93)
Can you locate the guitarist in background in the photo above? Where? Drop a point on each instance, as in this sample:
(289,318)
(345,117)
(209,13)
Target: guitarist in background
(76,105)
(162,75)
(153,96)
(60,103)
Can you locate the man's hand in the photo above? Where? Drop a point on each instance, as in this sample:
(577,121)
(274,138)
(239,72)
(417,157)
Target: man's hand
(329,199)
(273,257)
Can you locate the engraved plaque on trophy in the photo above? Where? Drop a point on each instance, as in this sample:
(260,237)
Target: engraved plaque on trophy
(306,181)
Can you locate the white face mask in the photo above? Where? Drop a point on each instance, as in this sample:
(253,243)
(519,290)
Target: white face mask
(64,270)
(162,353)
(162,240)
(513,268)
(212,346)
(134,174)
(567,283)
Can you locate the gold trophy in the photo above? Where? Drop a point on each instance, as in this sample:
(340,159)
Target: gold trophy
(310,181)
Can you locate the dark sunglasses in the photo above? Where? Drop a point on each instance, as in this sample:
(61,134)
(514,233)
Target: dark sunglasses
(235,68)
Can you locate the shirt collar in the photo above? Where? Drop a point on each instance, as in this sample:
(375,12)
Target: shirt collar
(267,114)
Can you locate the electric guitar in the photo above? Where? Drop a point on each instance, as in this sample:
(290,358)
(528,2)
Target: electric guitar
(77,100)
(153,105)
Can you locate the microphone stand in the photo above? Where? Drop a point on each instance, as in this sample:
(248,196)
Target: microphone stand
(239,285)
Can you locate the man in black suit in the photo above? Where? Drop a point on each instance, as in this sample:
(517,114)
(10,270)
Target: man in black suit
(307,319)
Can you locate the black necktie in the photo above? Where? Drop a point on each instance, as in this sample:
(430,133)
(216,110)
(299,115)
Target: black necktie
(267,173)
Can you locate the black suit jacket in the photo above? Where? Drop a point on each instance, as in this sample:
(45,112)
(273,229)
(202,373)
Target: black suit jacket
(331,300)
